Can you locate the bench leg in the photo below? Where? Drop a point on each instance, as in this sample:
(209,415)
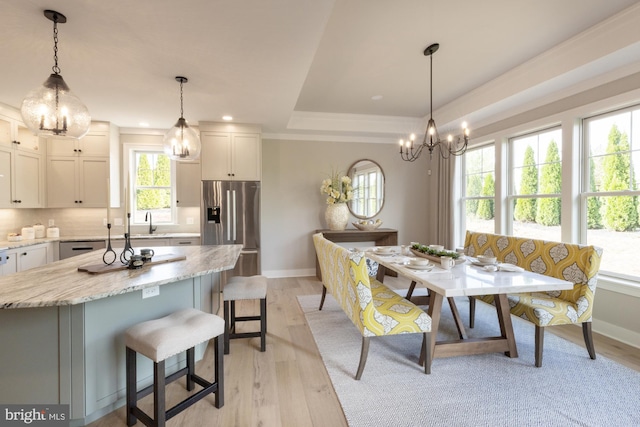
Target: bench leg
(363,356)
(472,312)
(263,324)
(132,393)
(588,339)
(227,326)
(539,345)
(324,294)
(218,370)
(191,367)
(426,344)
(158,394)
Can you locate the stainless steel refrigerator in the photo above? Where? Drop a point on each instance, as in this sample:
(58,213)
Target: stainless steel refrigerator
(231,215)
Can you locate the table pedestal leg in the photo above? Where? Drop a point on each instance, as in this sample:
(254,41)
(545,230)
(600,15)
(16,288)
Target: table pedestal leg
(506,328)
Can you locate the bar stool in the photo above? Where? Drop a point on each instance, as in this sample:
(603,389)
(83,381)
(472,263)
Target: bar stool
(160,339)
(244,288)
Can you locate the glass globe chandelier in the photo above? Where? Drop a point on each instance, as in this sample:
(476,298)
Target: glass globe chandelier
(52,109)
(182,142)
(431,140)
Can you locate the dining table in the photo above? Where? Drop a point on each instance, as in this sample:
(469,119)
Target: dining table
(467,279)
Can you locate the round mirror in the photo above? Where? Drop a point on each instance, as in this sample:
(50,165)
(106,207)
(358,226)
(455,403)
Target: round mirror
(367,179)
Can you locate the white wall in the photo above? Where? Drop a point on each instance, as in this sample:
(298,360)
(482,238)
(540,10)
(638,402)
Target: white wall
(293,207)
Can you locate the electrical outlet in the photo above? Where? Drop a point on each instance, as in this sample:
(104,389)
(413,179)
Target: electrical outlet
(153,291)
(118,221)
(104,221)
(51,222)
(189,221)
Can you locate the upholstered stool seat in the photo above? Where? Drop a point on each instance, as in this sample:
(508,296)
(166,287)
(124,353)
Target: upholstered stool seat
(165,337)
(244,288)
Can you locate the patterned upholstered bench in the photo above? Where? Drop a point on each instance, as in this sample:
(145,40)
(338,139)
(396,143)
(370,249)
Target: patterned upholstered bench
(574,263)
(375,309)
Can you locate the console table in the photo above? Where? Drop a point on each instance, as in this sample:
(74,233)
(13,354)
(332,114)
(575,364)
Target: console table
(380,236)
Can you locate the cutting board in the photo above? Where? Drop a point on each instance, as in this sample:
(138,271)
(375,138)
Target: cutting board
(117,265)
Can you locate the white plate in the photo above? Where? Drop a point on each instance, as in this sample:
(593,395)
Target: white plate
(419,267)
(384,252)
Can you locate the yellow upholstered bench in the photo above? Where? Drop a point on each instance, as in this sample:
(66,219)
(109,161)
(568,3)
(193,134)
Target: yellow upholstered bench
(375,309)
(575,263)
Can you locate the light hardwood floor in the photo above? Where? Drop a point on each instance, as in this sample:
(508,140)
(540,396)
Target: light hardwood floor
(288,385)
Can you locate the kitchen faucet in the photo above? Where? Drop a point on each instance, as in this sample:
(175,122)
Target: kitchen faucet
(147,217)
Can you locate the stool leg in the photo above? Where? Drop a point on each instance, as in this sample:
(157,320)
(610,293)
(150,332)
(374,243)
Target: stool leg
(227,327)
(219,370)
(191,363)
(132,392)
(263,324)
(158,394)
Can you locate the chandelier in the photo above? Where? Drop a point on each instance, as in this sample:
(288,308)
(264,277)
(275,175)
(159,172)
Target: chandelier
(431,140)
(52,109)
(182,142)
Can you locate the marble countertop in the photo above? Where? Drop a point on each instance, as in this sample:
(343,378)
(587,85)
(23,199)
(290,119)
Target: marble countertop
(60,283)
(31,242)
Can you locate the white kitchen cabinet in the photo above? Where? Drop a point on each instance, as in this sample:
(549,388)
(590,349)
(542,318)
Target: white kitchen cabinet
(93,144)
(178,241)
(77,182)
(231,156)
(27,257)
(187,184)
(21,179)
(16,135)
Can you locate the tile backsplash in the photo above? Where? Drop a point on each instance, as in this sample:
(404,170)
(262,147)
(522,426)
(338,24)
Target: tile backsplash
(89,222)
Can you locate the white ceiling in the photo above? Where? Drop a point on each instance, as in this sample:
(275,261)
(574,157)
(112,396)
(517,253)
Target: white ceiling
(313,66)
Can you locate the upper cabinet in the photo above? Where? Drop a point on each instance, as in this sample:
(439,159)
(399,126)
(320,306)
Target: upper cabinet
(187,184)
(21,166)
(231,152)
(78,170)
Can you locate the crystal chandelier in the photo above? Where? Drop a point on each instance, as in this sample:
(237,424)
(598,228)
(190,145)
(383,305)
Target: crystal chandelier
(431,140)
(182,142)
(52,109)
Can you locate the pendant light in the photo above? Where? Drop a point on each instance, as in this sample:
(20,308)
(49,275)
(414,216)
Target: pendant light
(182,142)
(431,140)
(52,109)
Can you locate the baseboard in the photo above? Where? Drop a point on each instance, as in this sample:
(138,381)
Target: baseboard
(274,274)
(617,333)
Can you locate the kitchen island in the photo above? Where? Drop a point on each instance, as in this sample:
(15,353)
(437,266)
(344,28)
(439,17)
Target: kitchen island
(61,329)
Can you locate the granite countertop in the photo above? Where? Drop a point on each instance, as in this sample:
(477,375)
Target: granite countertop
(31,242)
(60,283)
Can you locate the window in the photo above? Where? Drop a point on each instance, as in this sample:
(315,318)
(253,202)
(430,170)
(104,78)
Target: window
(479,189)
(152,187)
(535,184)
(610,189)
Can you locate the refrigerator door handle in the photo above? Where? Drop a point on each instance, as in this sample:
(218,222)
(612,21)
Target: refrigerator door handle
(228,215)
(235,219)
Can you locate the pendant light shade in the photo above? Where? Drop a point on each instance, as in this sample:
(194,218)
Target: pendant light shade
(182,142)
(52,109)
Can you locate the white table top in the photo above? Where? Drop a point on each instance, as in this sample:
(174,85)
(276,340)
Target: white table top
(467,280)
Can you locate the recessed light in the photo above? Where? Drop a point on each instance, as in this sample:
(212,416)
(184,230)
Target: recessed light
(376,97)
(227,118)
(144,124)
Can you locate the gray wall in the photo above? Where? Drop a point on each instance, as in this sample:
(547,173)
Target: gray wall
(293,207)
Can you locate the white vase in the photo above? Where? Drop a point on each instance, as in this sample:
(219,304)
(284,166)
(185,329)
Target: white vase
(337,216)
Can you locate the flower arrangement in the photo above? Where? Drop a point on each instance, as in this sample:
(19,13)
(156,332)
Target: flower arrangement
(338,188)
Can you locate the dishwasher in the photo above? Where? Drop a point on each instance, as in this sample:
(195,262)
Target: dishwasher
(79,247)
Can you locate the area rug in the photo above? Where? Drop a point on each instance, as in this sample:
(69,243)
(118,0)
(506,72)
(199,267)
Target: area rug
(480,390)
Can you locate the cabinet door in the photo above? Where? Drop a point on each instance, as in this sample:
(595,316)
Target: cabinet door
(11,265)
(92,185)
(28,180)
(61,182)
(94,144)
(32,257)
(5,132)
(28,141)
(187,184)
(6,196)
(215,159)
(246,157)
(62,147)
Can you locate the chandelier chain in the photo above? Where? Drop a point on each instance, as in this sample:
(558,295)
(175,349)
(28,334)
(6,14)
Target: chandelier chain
(55,68)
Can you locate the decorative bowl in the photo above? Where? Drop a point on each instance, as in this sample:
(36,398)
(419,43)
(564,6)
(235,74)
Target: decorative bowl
(367,226)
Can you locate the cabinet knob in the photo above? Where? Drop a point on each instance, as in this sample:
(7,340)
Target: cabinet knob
(80,201)
(16,142)
(24,253)
(177,201)
(79,151)
(75,150)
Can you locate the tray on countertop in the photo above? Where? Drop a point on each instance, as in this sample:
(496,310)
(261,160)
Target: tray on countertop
(117,265)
